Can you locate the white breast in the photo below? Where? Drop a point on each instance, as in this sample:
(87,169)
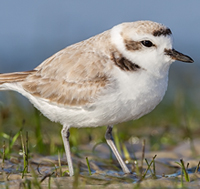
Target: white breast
(137,93)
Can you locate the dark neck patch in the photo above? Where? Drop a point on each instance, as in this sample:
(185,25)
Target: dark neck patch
(162,31)
(124,64)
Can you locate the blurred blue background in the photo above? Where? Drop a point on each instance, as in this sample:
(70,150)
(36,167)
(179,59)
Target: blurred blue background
(31,31)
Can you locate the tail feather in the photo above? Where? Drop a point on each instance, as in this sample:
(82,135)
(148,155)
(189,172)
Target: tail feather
(14,77)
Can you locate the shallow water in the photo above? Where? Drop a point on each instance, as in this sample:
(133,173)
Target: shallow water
(106,172)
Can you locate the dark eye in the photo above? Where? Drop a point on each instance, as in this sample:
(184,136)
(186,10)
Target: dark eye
(147,43)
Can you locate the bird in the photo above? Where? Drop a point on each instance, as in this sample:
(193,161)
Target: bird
(110,78)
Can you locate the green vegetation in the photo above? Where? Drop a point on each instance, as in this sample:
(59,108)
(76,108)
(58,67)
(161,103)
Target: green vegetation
(88,165)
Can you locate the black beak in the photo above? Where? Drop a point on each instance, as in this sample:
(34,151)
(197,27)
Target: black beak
(175,55)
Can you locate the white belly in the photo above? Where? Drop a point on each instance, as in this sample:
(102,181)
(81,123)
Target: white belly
(134,97)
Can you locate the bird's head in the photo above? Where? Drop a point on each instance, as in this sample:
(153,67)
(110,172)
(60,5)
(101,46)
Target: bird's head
(147,44)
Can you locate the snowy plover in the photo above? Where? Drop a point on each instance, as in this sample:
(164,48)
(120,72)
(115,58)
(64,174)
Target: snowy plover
(116,76)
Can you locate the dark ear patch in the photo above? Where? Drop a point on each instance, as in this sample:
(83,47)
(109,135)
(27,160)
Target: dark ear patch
(124,64)
(132,45)
(162,31)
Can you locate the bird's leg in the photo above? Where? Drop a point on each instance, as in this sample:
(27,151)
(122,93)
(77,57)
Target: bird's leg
(110,141)
(65,136)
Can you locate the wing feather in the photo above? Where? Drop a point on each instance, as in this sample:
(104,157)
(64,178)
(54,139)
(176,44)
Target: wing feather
(14,77)
(75,75)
